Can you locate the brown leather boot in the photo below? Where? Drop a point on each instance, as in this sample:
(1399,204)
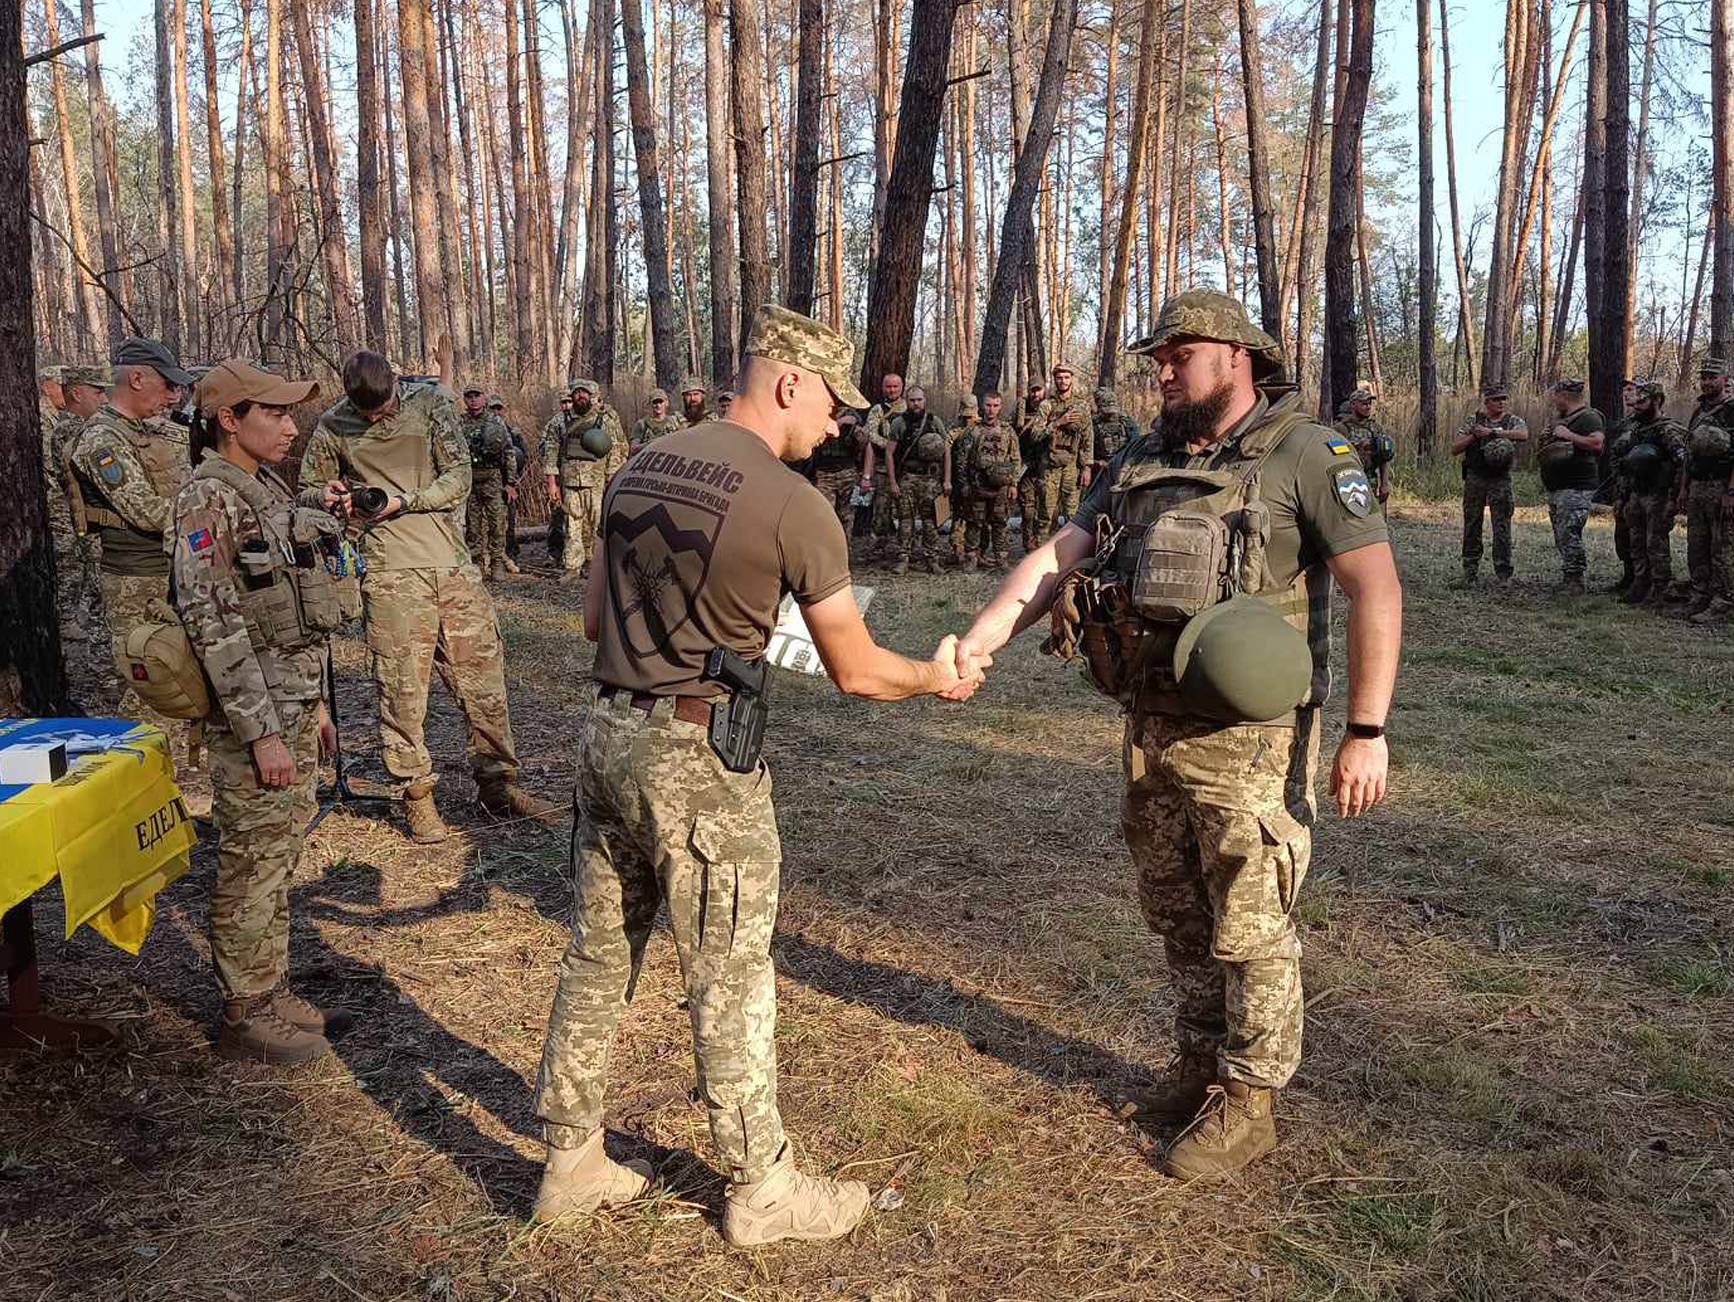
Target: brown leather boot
(253,1031)
(578,1181)
(1178,1092)
(426,827)
(1235,1126)
(786,1204)
(308,1016)
(505,799)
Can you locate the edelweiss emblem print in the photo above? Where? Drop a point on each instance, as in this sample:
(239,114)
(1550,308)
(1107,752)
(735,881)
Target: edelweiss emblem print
(657,565)
(1353,490)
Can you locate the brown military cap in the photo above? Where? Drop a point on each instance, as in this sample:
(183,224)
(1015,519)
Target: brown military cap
(235,381)
(1714,366)
(1210,314)
(1571,384)
(781,335)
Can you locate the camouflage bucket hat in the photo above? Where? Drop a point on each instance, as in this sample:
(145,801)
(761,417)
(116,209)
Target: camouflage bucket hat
(588,386)
(1209,314)
(95,376)
(692,384)
(1714,366)
(784,336)
(1647,389)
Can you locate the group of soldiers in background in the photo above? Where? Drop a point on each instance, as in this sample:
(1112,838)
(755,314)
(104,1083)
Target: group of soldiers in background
(1652,469)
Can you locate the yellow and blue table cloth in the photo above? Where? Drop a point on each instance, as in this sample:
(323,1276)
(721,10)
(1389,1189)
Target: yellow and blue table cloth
(114,829)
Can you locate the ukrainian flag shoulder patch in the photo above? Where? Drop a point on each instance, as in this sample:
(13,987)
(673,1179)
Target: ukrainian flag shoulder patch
(1339,446)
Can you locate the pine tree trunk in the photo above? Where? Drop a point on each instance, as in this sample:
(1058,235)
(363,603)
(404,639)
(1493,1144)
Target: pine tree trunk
(1347,113)
(102,168)
(747,84)
(1176,168)
(1640,172)
(542,239)
(1465,317)
(1495,338)
(603,232)
(834,234)
(333,239)
(1544,155)
(1567,283)
(660,292)
(896,277)
(724,298)
(278,214)
(407,335)
(451,245)
(168,215)
(964,104)
(1015,228)
(432,309)
(224,293)
(1110,161)
(373,286)
(1427,423)
(185,196)
(1258,172)
(456,59)
(887,23)
(246,96)
(1307,261)
(88,310)
(1113,318)
(1722,177)
(804,192)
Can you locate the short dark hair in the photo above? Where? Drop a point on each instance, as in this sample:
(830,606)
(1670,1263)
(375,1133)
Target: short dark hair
(368,380)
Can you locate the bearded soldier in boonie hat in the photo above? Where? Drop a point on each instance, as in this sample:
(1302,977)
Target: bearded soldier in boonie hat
(692,408)
(1188,553)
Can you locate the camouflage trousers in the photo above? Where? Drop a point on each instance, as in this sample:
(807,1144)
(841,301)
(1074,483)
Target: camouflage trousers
(838,488)
(1709,541)
(1492,496)
(988,513)
(425,620)
(658,819)
(1060,490)
(582,485)
(485,521)
(1622,533)
(1037,509)
(1218,820)
(1649,521)
(85,645)
(884,512)
(1568,509)
(961,505)
(917,513)
(259,834)
(126,599)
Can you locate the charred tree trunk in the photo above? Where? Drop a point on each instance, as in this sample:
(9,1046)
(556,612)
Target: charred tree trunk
(724,298)
(1258,172)
(895,277)
(747,98)
(1722,169)
(1015,229)
(1340,322)
(658,289)
(799,257)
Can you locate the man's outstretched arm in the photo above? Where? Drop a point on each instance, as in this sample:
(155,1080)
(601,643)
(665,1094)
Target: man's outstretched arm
(1023,599)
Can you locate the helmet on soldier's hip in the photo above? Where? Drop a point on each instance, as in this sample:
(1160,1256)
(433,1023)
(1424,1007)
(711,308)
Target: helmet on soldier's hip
(1241,662)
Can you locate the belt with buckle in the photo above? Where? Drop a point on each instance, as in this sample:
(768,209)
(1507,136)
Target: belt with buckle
(688,709)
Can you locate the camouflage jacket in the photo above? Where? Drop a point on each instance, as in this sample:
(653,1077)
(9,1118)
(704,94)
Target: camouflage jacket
(126,473)
(995,444)
(650,428)
(1071,430)
(1472,461)
(560,446)
(489,441)
(416,453)
(1710,466)
(1367,437)
(236,611)
(1032,431)
(876,429)
(57,426)
(1666,435)
(1113,431)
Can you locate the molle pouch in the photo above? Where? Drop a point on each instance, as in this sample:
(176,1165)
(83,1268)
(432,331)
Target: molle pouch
(256,564)
(1182,566)
(316,536)
(998,474)
(275,613)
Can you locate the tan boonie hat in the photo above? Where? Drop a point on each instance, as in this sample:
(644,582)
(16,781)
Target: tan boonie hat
(1210,314)
(1362,394)
(1714,366)
(692,384)
(96,377)
(234,381)
(589,386)
(780,335)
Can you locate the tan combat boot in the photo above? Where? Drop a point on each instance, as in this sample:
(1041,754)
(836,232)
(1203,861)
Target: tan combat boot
(505,799)
(786,1204)
(512,566)
(426,827)
(253,1031)
(307,1016)
(1178,1092)
(578,1181)
(498,572)
(1235,1126)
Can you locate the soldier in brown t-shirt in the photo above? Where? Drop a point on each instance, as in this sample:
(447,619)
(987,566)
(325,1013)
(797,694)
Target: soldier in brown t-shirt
(701,535)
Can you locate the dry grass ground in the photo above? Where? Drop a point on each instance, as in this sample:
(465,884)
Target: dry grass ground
(1518,1080)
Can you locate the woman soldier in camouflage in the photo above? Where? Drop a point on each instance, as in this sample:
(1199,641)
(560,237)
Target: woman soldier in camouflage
(250,582)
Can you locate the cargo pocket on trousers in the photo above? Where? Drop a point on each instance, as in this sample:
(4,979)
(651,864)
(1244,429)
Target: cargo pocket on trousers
(1289,845)
(735,858)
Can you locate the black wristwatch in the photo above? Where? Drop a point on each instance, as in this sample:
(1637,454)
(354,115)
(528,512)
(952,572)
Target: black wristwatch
(1366,731)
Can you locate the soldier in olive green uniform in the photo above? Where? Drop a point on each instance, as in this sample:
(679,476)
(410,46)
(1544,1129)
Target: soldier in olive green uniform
(1222,669)
(490,445)
(1113,429)
(1709,496)
(990,470)
(577,468)
(125,469)
(1071,446)
(1033,437)
(918,463)
(1487,441)
(257,602)
(426,608)
(1568,455)
(961,439)
(653,426)
(1372,445)
(662,815)
(1649,505)
(875,432)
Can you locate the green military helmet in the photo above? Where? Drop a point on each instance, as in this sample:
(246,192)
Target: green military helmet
(1711,440)
(1241,662)
(1498,453)
(596,441)
(1642,463)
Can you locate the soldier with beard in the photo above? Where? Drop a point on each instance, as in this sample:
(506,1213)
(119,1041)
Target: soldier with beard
(1222,679)
(692,408)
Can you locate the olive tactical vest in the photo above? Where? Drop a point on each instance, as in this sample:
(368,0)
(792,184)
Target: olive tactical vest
(126,550)
(1192,536)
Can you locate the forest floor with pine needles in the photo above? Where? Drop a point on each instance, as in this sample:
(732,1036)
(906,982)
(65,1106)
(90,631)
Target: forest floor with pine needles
(1519,971)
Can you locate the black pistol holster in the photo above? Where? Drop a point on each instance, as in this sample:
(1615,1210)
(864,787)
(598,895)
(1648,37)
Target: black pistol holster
(737,723)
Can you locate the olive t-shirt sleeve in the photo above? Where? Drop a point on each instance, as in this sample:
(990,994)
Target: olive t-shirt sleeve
(1587,421)
(1333,517)
(815,552)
